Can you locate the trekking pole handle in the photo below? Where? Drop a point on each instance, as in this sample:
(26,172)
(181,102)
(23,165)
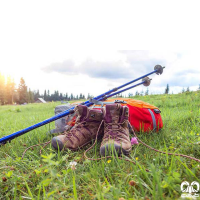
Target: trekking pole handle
(159,69)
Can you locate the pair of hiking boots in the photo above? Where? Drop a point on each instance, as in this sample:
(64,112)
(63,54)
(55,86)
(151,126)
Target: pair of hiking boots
(109,124)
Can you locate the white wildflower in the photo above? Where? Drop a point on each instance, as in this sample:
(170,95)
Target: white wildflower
(73,165)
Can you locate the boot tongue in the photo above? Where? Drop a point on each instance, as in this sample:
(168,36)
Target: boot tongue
(112,113)
(125,114)
(81,112)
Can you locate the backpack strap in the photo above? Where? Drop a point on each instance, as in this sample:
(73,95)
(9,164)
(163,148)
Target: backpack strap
(153,118)
(96,102)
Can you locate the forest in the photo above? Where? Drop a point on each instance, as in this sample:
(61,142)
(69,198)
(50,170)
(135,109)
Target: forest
(10,93)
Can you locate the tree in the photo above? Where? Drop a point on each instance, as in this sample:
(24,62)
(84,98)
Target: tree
(66,96)
(30,96)
(9,90)
(137,93)
(188,89)
(36,95)
(130,94)
(2,89)
(167,89)
(13,90)
(147,91)
(61,96)
(55,96)
(183,90)
(22,91)
(45,95)
(48,95)
(199,87)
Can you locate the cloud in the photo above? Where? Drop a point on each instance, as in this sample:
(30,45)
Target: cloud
(123,66)
(68,66)
(92,68)
(183,79)
(134,64)
(187,72)
(106,70)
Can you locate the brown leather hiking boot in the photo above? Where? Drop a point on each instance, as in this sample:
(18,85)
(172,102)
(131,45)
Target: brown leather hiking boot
(116,132)
(83,132)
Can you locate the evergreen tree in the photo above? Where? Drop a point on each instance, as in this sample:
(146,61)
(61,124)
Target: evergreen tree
(167,89)
(13,90)
(45,95)
(61,96)
(188,89)
(71,97)
(22,91)
(36,95)
(137,93)
(147,91)
(9,90)
(183,90)
(130,94)
(48,95)
(30,96)
(88,97)
(57,95)
(2,89)
(66,97)
(199,87)
(81,96)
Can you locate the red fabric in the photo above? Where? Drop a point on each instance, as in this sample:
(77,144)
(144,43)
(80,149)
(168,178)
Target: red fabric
(139,116)
(141,120)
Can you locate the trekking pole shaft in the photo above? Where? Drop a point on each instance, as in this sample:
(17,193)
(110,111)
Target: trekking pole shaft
(117,88)
(137,79)
(58,116)
(23,131)
(118,92)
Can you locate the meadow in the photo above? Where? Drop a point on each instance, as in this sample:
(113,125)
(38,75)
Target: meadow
(50,176)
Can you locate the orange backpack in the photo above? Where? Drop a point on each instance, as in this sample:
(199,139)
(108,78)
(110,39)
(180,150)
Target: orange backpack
(143,116)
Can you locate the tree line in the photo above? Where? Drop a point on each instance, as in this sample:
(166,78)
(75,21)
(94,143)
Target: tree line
(10,93)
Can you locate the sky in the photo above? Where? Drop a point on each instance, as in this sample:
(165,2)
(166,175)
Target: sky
(96,72)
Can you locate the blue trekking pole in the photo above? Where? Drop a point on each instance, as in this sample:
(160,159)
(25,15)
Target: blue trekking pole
(158,69)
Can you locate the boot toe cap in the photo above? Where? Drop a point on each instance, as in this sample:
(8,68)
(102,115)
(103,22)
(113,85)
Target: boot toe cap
(57,143)
(109,149)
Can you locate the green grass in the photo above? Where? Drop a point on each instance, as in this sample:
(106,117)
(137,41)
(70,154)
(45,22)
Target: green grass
(49,176)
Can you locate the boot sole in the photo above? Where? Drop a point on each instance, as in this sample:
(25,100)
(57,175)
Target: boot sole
(57,143)
(116,149)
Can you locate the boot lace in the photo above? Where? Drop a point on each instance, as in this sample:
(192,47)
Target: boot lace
(114,131)
(77,128)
